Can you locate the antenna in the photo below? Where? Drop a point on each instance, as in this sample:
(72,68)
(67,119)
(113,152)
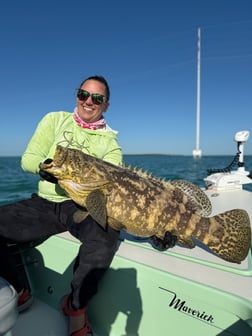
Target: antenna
(197,153)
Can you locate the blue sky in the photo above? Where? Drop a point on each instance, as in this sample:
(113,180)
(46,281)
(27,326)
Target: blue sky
(147,50)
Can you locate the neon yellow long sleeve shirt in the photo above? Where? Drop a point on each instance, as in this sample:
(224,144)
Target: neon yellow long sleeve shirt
(59,128)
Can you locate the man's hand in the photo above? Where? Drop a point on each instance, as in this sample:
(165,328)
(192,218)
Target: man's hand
(47,176)
(167,242)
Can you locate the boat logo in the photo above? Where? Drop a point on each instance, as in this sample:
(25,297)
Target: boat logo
(182,306)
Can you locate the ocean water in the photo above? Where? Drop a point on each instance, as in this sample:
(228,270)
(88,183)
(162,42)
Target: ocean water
(16,185)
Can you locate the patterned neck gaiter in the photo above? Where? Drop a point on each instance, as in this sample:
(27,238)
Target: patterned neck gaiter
(101,123)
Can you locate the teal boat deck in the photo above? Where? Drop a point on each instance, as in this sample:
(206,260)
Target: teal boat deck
(144,293)
(40,320)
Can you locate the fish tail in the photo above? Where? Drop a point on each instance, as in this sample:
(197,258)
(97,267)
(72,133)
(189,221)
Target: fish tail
(227,234)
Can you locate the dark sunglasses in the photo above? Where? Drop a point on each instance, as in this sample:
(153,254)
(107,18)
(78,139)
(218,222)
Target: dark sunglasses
(97,98)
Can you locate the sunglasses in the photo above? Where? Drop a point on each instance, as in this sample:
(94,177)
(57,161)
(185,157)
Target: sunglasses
(97,98)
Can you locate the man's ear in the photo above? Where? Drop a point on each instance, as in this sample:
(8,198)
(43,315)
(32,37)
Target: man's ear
(106,106)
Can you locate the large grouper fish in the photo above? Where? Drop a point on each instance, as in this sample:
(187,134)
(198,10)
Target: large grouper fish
(144,206)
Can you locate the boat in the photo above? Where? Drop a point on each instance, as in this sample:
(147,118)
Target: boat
(147,292)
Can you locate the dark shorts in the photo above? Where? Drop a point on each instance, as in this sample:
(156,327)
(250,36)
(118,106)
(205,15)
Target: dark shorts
(37,218)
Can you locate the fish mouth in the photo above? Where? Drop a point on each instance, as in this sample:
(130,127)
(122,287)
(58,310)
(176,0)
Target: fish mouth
(45,166)
(60,156)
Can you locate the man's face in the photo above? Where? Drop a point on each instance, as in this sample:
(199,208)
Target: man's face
(88,110)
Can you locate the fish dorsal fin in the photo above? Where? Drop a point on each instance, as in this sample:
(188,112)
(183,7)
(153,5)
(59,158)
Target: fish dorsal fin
(197,197)
(96,206)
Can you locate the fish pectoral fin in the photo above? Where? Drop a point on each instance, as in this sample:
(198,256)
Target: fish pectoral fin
(80,215)
(96,206)
(186,242)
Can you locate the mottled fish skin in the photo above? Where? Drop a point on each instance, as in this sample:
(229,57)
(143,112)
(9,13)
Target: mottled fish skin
(146,206)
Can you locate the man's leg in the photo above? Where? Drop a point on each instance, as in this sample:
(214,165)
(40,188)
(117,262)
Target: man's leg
(20,222)
(95,255)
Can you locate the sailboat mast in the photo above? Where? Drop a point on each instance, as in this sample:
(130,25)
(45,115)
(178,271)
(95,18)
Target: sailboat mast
(197,152)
